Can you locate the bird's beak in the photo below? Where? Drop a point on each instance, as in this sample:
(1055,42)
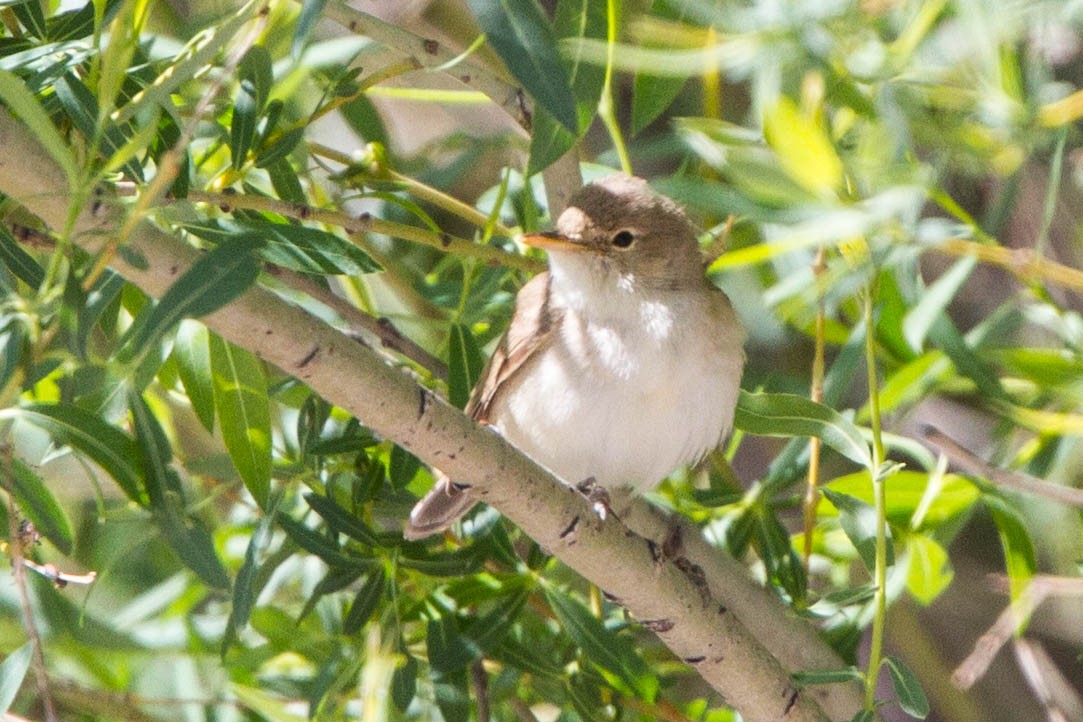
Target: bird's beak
(552,241)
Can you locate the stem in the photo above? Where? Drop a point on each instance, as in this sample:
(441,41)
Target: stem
(606,109)
(876,646)
(816,393)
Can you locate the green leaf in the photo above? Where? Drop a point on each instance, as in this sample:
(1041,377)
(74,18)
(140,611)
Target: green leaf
(465,363)
(803,148)
(650,96)
(266,705)
(245,588)
(192,352)
(240,398)
(449,651)
(1018,548)
(299,248)
(929,572)
(452,695)
(490,629)
(341,520)
(365,602)
(13,350)
(31,17)
(81,105)
(402,467)
(12,671)
(310,13)
(404,684)
(280,148)
(440,564)
(108,446)
(603,647)
(255,78)
(15,95)
(906,491)
(549,139)
(933,301)
(791,415)
(858,520)
(18,261)
(214,280)
(41,507)
(808,678)
(519,33)
(907,688)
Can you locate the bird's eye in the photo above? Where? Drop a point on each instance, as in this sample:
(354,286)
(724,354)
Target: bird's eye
(623,239)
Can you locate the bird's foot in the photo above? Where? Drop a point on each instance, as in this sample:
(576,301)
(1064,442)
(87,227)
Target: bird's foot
(597,495)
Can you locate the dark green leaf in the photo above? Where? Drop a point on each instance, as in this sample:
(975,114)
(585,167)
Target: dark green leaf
(213,281)
(108,446)
(31,17)
(341,520)
(402,467)
(363,117)
(464,364)
(12,671)
(365,602)
(404,684)
(440,564)
(13,345)
(284,181)
(191,540)
(299,248)
(155,451)
(907,688)
(792,415)
(318,544)
(41,507)
(945,336)
(254,73)
(858,520)
(606,649)
(449,651)
(280,148)
(650,96)
(336,579)
(18,261)
(525,657)
(240,398)
(452,695)
(81,105)
(522,37)
(490,629)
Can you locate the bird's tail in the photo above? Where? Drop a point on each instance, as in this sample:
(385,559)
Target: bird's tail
(438,509)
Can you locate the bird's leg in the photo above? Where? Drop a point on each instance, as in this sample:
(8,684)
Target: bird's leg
(597,495)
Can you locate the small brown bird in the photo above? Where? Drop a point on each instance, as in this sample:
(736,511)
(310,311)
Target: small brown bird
(621,363)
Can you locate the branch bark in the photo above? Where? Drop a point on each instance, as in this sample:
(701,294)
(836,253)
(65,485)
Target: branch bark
(704,631)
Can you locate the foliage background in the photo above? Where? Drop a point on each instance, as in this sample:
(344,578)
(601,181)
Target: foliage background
(245,533)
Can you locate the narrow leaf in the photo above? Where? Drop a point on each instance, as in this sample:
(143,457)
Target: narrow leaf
(255,81)
(244,588)
(1019,558)
(858,520)
(603,647)
(105,444)
(803,148)
(240,398)
(18,261)
(365,602)
(16,96)
(792,415)
(449,650)
(192,352)
(907,688)
(341,520)
(41,507)
(934,300)
(464,364)
(213,281)
(310,13)
(12,671)
(519,33)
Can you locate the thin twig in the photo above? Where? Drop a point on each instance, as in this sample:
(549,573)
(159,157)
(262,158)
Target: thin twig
(1024,263)
(367,223)
(969,462)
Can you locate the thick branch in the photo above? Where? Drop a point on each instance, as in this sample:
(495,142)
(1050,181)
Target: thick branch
(705,633)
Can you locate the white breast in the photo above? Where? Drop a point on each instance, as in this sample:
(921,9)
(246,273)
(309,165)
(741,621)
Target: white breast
(628,395)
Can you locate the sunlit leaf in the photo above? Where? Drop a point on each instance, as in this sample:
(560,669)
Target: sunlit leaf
(1019,559)
(240,398)
(803,148)
(524,40)
(792,415)
(20,101)
(929,572)
(254,73)
(192,351)
(858,520)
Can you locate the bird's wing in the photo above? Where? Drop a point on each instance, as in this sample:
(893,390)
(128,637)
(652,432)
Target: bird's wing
(531,325)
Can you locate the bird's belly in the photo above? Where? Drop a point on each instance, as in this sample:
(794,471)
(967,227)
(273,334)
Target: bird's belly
(582,422)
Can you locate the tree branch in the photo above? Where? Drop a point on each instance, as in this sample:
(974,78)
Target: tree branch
(703,632)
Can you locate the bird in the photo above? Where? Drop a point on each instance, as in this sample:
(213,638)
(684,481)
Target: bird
(621,362)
